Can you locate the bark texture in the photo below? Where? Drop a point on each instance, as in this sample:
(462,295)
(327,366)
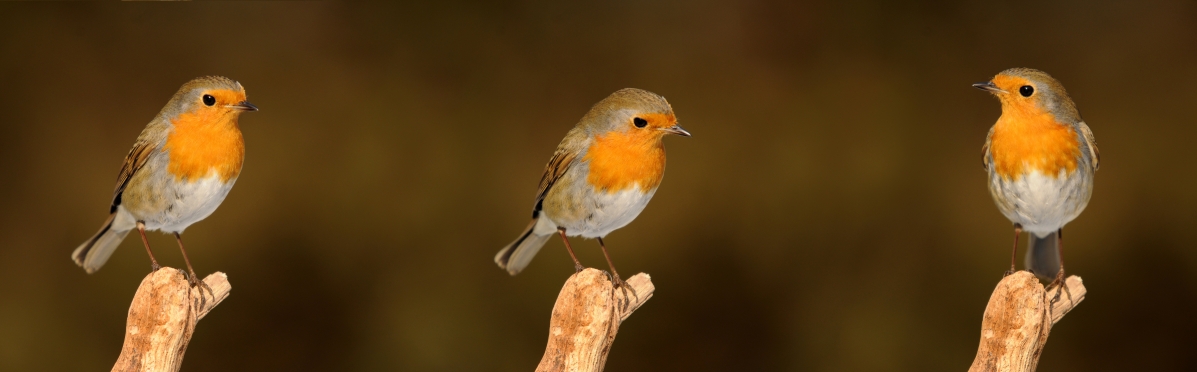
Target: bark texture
(162,319)
(586,318)
(1017,321)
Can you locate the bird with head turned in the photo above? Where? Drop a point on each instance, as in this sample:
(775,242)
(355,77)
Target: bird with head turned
(1041,158)
(180,169)
(600,178)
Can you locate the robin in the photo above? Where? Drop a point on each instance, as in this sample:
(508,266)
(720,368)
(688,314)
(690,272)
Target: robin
(182,166)
(1041,158)
(602,175)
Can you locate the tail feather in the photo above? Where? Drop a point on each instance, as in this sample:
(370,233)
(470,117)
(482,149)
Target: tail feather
(93,253)
(1043,255)
(517,255)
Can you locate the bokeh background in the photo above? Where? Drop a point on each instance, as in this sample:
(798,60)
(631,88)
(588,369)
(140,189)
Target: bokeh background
(829,214)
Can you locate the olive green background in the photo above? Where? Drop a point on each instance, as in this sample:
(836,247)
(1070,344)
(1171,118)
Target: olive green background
(829,214)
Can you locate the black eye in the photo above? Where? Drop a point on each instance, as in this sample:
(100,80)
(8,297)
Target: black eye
(1026,90)
(640,123)
(209,100)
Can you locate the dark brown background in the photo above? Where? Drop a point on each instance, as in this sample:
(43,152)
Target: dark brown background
(829,214)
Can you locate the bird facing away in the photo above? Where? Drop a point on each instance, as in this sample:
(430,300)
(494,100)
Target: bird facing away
(182,166)
(1041,158)
(602,175)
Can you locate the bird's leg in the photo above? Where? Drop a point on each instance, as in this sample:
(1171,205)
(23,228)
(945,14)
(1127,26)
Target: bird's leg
(1059,281)
(1014,251)
(194,279)
(154,266)
(577,264)
(619,283)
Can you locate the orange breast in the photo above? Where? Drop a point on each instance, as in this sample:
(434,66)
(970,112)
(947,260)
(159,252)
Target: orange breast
(1023,142)
(620,159)
(205,142)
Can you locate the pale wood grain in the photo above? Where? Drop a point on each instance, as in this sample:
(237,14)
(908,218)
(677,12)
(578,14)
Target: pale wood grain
(1018,320)
(586,318)
(162,319)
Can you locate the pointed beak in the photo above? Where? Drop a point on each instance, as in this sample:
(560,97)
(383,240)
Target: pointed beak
(244,106)
(676,129)
(988,87)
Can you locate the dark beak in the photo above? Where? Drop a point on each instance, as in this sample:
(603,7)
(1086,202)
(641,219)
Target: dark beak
(988,87)
(245,106)
(676,129)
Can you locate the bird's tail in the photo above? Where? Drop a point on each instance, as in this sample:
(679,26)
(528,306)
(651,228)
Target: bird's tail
(1043,255)
(517,255)
(94,252)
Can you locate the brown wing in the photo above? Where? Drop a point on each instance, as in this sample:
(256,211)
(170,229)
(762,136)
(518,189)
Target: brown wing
(558,165)
(985,157)
(133,162)
(1092,144)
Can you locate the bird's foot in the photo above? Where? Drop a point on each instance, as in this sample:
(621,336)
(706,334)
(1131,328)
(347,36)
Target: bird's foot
(1060,286)
(625,288)
(194,281)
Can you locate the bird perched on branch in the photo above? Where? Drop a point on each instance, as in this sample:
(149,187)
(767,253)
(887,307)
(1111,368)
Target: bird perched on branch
(182,166)
(602,175)
(1041,158)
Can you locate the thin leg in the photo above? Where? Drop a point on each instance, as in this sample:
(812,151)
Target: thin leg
(154,266)
(577,264)
(1060,248)
(619,283)
(1014,251)
(1059,281)
(194,279)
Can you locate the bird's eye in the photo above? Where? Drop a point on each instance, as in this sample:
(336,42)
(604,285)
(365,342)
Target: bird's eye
(209,100)
(640,123)
(1026,90)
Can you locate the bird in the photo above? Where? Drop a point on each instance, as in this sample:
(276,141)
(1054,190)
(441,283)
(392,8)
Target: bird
(179,171)
(1041,158)
(602,175)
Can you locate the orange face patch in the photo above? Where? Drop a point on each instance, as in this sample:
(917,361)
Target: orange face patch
(658,121)
(621,159)
(226,97)
(207,140)
(1009,83)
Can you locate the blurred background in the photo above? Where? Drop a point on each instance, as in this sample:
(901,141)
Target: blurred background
(829,214)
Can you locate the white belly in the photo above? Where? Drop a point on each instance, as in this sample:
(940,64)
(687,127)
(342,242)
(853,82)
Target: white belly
(608,212)
(190,202)
(1041,203)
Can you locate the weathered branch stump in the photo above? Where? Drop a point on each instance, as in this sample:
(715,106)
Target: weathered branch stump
(1017,321)
(586,318)
(162,318)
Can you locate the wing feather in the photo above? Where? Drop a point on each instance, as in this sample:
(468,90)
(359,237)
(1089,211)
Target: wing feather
(986,158)
(1091,143)
(136,159)
(560,163)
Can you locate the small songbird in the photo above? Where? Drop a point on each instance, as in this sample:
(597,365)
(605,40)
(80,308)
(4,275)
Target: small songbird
(1041,158)
(182,166)
(602,175)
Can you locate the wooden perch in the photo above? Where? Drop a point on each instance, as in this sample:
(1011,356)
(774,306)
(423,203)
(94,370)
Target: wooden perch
(162,318)
(586,317)
(1018,320)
